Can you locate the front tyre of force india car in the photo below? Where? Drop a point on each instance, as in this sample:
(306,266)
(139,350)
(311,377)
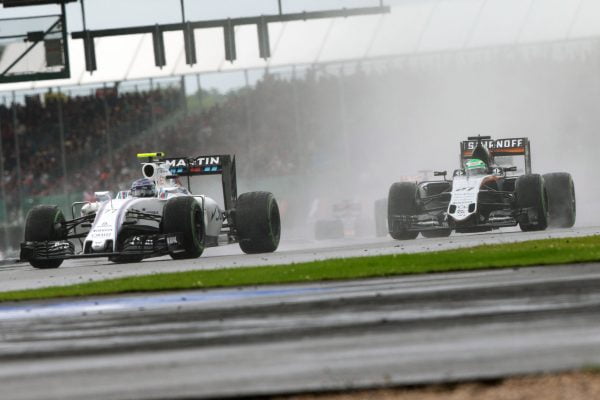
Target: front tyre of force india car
(561,199)
(532,198)
(258,223)
(402,201)
(183,215)
(43,224)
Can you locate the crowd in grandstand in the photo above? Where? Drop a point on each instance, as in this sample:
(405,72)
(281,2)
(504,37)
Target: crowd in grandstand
(34,129)
(278,127)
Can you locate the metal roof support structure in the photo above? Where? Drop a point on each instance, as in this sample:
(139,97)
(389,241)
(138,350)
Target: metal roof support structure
(574,19)
(228,25)
(219,23)
(525,19)
(189,40)
(88,44)
(17,154)
(264,44)
(426,25)
(3,193)
(471,31)
(61,131)
(229,37)
(199,90)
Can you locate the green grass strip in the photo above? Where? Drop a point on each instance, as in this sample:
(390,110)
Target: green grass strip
(536,252)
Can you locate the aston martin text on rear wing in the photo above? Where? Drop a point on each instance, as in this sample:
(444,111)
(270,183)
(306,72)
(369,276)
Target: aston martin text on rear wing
(202,165)
(222,164)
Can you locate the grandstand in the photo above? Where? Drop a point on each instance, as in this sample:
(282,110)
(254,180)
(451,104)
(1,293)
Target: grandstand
(331,93)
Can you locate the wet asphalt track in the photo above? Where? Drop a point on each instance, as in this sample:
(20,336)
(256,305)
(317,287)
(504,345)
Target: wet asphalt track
(23,276)
(292,338)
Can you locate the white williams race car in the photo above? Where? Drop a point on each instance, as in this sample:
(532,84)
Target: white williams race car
(482,195)
(158,216)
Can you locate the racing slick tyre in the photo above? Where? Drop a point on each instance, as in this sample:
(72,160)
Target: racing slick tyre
(183,215)
(530,191)
(45,223)
(381,228)
(438,233)
(561,199)
(258,223)
(402,200)
(329,229)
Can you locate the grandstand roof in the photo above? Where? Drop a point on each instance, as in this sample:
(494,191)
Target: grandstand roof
(413,27)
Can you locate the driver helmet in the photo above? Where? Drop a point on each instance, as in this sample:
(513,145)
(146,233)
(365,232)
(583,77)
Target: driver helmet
(143,188)
(475,166)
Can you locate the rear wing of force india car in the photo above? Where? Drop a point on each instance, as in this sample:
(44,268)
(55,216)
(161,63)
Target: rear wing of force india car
(223,165)
(497,148)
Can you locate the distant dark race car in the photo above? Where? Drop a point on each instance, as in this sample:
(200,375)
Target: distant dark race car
(482,195)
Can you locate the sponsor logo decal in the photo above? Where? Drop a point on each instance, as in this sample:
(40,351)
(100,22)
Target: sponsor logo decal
(203,164)
(497,144)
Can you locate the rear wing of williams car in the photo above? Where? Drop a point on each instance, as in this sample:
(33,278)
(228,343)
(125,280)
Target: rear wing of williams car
(498,148)
(223,165)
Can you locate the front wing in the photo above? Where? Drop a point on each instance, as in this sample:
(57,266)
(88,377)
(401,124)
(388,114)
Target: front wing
(441,220)
(140,245)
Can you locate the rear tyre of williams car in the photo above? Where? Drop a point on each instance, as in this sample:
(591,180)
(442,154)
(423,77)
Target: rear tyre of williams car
(258,223)
(402,200)
(45,223)
(531,195)
(183,215)
(561,199)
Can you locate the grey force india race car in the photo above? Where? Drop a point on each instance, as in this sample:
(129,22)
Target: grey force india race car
(482,195)
(158,216)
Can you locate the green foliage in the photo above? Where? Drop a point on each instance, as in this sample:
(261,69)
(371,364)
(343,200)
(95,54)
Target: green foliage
(537,252)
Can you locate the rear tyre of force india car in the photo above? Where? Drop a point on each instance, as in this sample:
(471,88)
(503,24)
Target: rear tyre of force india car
(402,200)
(257,222)
(183,215)
(532,198)
(45,223)
(561,199)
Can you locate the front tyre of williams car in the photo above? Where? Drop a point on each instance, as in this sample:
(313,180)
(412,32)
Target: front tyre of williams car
(44,224)
(184,215)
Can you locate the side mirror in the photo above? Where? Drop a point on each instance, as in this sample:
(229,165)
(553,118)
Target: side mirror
(440,173)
